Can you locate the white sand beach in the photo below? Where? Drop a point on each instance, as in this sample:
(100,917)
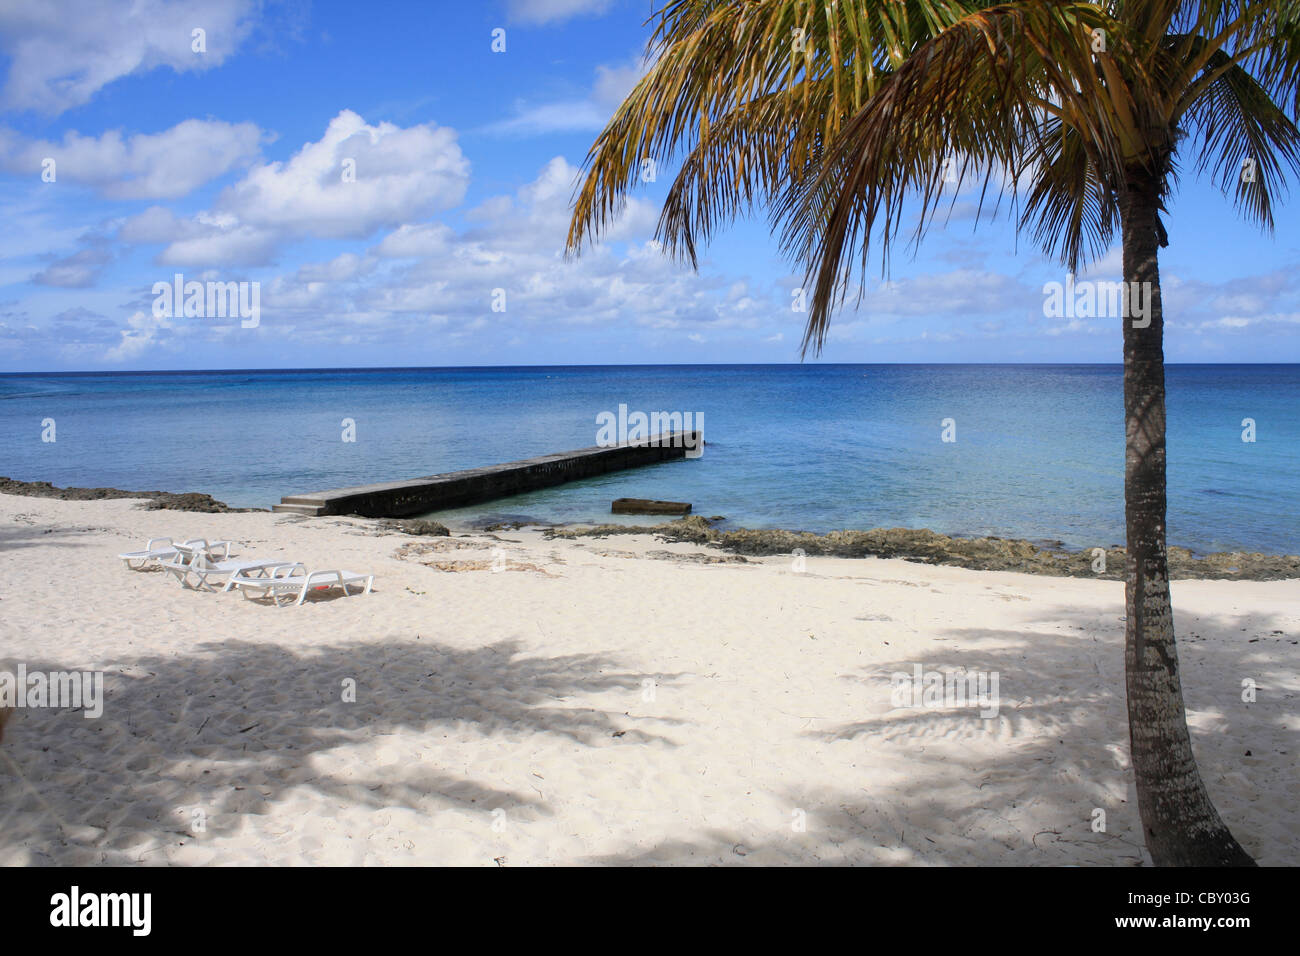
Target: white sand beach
(615,700)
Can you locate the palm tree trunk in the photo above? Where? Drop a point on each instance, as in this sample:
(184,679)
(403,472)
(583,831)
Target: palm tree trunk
(1180,824)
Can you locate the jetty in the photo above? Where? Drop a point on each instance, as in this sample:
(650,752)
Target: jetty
(402,499)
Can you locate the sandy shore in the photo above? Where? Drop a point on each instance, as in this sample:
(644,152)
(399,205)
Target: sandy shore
(602,700)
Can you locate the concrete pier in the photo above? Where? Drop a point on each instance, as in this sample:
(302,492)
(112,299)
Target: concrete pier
(401,499)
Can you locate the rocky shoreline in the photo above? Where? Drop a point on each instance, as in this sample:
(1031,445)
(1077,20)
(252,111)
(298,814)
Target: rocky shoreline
(929,547)
(156,500)
(919,545)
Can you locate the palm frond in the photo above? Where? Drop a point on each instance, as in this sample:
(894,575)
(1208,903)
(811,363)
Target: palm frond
(1069,208)
(838,117)
(773,78)
(1244,138)
(983,88)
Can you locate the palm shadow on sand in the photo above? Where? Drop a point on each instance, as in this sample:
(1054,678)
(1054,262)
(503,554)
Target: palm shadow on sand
(1062,755)
(247,722)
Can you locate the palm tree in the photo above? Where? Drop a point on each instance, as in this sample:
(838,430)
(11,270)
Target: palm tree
(830,114)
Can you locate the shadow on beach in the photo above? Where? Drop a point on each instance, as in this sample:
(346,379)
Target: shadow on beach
(232,727)
(41,536)
(1062,744)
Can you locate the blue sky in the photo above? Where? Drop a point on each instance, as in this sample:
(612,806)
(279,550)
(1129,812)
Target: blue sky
(224,165)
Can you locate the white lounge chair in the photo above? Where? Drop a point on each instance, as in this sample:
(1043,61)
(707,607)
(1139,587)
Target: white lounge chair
(194,561)
(161,549)
(290,579)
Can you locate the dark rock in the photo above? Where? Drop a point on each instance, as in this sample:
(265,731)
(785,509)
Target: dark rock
(417,526)
(159,500)
(696,557)
(647,506)
(928,547)
(190,501)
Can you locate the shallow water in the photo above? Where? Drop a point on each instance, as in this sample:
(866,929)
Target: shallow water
(1038,449)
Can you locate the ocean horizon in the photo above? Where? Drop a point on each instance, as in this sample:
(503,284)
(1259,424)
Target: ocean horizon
(1017,451)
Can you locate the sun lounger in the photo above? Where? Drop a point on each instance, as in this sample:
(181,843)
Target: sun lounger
(290,579)
(194,562)
(162,549)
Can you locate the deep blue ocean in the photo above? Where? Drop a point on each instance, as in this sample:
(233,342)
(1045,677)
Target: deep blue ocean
(1039,449)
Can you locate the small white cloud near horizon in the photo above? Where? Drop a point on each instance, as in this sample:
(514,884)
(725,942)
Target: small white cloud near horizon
(138,337)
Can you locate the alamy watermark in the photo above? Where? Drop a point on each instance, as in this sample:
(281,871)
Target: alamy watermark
(944,690)
(1098,300)
(128,910)
(208,300)
(53,689)
(675,429)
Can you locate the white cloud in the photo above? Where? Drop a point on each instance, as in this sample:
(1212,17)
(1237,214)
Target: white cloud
(347,266)
(158,224)
(539,215)
(62,52)
(425,276)
(77,271)
(1234,322)
(960,292)
(240,245)
(1109,266)
(164,165)
(553,11)
(142,332)
(401,174)
(589,113)
(416,241)
(614,83)
(567,116)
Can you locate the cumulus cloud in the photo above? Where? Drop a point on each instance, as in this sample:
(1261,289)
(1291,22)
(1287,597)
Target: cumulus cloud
(220,245)
(62,52)
(423,276)
(142,331)
(164,165)
(416,241)
(400,174)
(352,182)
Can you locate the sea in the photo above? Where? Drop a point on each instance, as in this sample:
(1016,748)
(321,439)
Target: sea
(1016,451)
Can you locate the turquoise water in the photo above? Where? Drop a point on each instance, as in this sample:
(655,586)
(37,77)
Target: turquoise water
(1038,451)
